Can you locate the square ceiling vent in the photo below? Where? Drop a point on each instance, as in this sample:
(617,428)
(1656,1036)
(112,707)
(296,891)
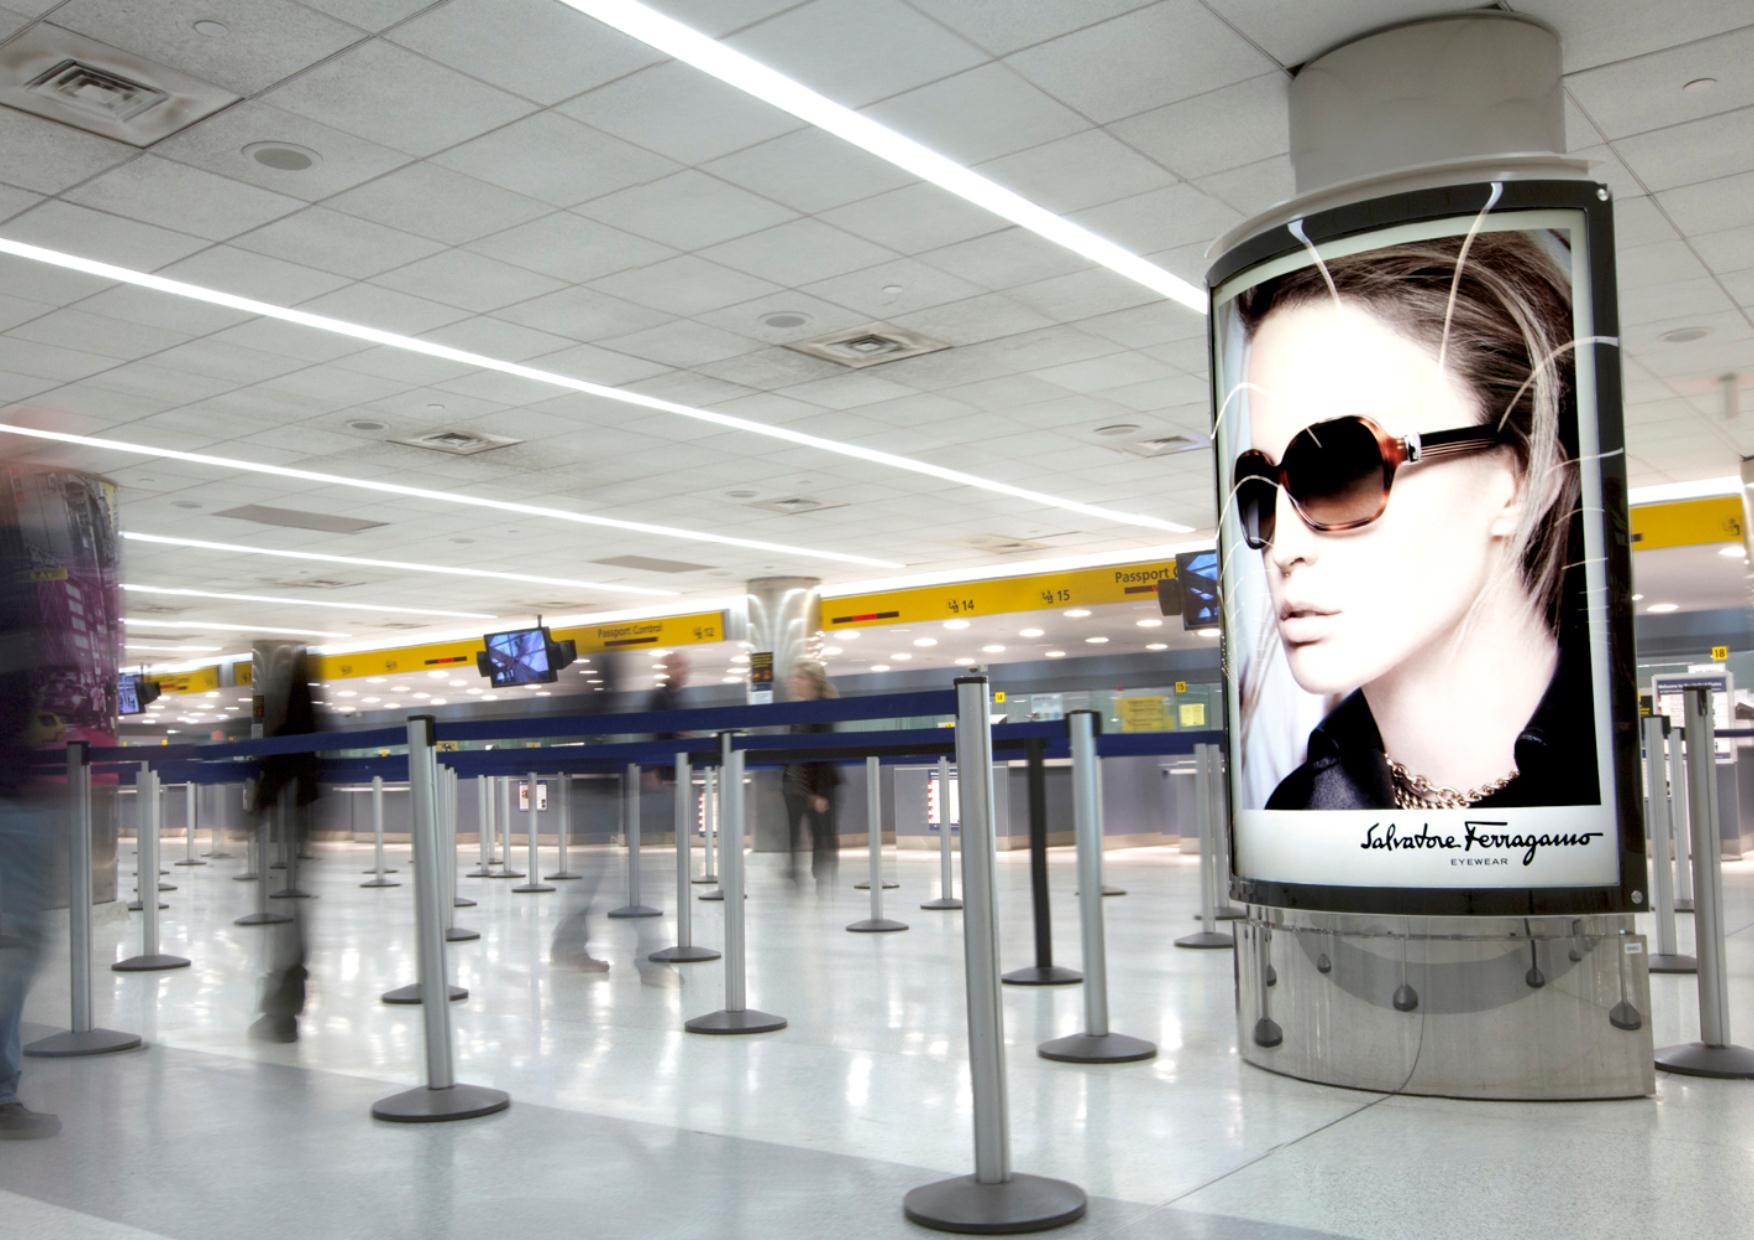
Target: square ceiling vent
(457,443)
(871,345)
(101,89)
(1164,445)
(295,519)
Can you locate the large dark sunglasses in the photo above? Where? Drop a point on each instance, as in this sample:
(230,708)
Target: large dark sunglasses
(1338,473)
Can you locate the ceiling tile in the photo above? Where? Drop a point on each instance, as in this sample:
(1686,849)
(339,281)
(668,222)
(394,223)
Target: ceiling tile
(914,218)
(473,281)
(595,365)
(372,15)
(16,201)
(798,252)
(93,234)
(1700,150)
(1644,265)
(264,40)
(384,308)
(1002,28)
(38,154)
(1004,259)
(570,247)
(685,285)
(681,112)
(1224,128)
(389,95)
(306,344)
(534,48)
(17,310)
(172,195)
(810,170)
(1081,171)
(688,210)
(1161,219)
(986,317)
(1606,30)
(857,51)
(139,305)
(435,202)
(1253,188)
(21,356)
(1709,206)
(1083,294)
(1730,250)
(151,382)
(1638,221)
(254,275)
(217,144)
(978,115)
(223,360)
(1636,96)
(849,391)
(818,317)
(1672,299)
(768,369)
(344,244)
(1143,326)
(555,159)
(682,343)
(897,287)
(582,314)
(1173,50)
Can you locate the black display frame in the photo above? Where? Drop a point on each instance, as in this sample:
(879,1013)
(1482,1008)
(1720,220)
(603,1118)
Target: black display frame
(552,674)
(1594,202)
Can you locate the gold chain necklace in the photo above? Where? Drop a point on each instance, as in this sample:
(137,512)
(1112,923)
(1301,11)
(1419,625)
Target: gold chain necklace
(1417,792)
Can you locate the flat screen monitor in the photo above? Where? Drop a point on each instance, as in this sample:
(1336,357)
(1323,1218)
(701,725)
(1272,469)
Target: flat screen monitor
(1197,571)
(128,695)
(519,657)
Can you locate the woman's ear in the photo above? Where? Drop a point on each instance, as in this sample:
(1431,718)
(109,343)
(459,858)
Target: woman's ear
(1507,491)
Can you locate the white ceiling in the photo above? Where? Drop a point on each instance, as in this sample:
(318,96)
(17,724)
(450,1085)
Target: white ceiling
(510,177)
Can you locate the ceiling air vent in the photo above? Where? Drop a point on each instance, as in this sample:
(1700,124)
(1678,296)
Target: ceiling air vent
(998,544)
(312,583)
(104,90)
(645,564)
(294,519)
(870,345)
(1167,445)
(793,505)
(457,443)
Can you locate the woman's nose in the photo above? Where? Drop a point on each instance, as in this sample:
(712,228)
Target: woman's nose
(1293,541)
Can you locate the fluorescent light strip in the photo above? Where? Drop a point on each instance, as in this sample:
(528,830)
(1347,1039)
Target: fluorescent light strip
(717,603)
(429,348)
(229,628)
(406,566)
(313,602)
(770,86)
(1021,568)
(445,497)
(154,646)
(1703,488)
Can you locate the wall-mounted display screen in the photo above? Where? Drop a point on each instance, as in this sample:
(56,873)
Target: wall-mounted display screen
(128,695)
(1197,574)
(1423,546)
(519,657)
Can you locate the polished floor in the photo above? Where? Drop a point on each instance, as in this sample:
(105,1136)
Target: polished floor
(624,1125)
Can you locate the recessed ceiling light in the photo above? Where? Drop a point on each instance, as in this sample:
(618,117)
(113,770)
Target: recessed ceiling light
(439,702)
(1638,598)
(1076,613)
(368,424)
(1684,335)
(956,624)
(1118,428)
(188,504)
(1030,632)
(543,693)
(1662,609)
(1054,654)
(741,494)
(965,661)
(346,693)
(1733,552)
(177,649)
(1211,633)
(490,697)
(281,156)
(208,28)
(880,667)
(784,319)
(283,601)
(995,648)
(1096,641)
(1150,622)
(371,701)
(829,651)
(439,675)
(902,657)
(421,697)
(400,689)
(925,641)
(230,628)
(1699,85)
(851,635)
(1157,646)
(374,680)
(732,680)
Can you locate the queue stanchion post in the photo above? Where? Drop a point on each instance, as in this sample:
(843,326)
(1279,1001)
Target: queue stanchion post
(946,882)
(876,923)
(216,837)
(254,860)
(453,786)
(630,778)
(148,823)
(563,828)
(483,828)
(503,823)
(378,837)
(1098,1043)
(1714,1055)
(448,797)
(1680,817)
(709,828)
(1222,908)
(1206,810)
(291,850)
(736,1016)
(685,951)
(535,886)
(442,1097)
(189,805)
(1666,958)
(1044,972)
(994,1199)
(264,849)
(82,1037)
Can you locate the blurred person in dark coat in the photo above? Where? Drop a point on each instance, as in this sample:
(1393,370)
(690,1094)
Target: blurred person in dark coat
(811,789)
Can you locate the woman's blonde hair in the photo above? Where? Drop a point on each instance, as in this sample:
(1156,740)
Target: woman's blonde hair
(821,687)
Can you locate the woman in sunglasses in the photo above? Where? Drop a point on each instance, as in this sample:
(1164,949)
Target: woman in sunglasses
(1408,486)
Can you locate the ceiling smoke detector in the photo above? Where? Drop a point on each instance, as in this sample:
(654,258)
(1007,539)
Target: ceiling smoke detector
(1165,445)
(283,156)
(870,345)
(458,443)
(1000,544)
(793,504)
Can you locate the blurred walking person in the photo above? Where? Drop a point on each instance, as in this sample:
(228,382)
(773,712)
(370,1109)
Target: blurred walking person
(811,789)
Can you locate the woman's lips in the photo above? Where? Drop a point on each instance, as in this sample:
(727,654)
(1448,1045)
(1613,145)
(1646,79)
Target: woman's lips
(1300,624)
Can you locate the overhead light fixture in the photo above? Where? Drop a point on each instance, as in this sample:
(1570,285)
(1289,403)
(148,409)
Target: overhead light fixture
(965,661)
(1076,613)
(1096,641)
(1638,598)
(995,648)
(155,646)
(480,361)
(851,635)
(1662,609)
(925,641)
(1019,568)
(1030,632)
(132,622)
(405,566)
(1733,552)
(690,46)
(1213,634)
(1150,622)
(426,493)
(1054,654)
(1701,488)
(829,651)
(281,601)
(956,624)
(880,667)
(1157,646)
(902,657)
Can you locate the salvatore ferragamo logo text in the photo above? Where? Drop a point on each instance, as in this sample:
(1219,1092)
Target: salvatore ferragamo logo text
(1477,836)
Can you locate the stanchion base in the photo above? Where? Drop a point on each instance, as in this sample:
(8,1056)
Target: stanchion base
(70,1045)
(1106,890)
(1097,1048)
(219,856)
(410,994)
(277,865)
(942,902)
(458,934)
(865,885)
(374,871)
(877,925)
(683,955)
(1683,906)
(714,895)
(508,874)
(149,964)
(1229,912)
(290,893)
(246,878)
(461,902)
(705,880)
(1042,975)
(1022,1203)
(1673,964)
(188,863)
(1206,939)
(532,888)
(138,907)
(380,882)
(1726,1063)
(635,910)
(263,919)
(477,872)
(727,1022)
(565,876)
(1268,1034)
(434,1106)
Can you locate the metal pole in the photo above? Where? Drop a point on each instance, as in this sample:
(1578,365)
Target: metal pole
(441,1098)
(736,1016)
(483,828)
(217,833)
(1714,1054)
(1096,1044)
(685,952)
(1666,959)
(448,798)
(82,1038)
(1680,816)
(946,885)
(630,819)
(264,849)
(1205,809)
(993,1199)
(1222,908)
(189,833)
(710,826)
(563,827)
(503,825)
(876,923)
(1044,972)
(535,885)
(149,823)
(378,837)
